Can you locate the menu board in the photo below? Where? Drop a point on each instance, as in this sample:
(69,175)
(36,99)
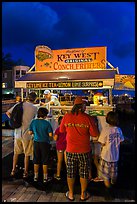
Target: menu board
(72,84)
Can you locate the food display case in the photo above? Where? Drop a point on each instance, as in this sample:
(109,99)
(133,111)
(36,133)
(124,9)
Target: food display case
(93,110)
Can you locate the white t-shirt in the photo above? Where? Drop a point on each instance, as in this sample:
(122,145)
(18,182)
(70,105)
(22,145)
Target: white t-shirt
(111,138)
(96,147)
(54,99)
(29,112)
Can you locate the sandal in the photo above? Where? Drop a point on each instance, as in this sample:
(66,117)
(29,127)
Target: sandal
(25,175)
(97,179)
(57,177)
(13,173)
(67,196)
(90,179)
(86,196)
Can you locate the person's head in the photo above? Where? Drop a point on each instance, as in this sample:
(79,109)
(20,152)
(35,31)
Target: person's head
(42,112)
(79,105)
(47,94)
(60,119)
(18,99)
(32,97)
(112,118)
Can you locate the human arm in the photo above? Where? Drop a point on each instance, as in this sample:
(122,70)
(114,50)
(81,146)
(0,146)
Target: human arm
(55,137)
(30,132)
(50,136)
(62,125)
(8,113)
(50,131)
(56,134)
(94,130)
(122,138)
(47,103)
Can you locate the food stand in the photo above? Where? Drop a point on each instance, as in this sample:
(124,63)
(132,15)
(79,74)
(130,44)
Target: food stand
(70,69)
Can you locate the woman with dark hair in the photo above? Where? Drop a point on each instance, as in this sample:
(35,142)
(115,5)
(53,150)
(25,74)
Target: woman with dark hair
(42,131)
(79,126)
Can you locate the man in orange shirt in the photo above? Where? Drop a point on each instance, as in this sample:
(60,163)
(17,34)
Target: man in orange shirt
(79,127)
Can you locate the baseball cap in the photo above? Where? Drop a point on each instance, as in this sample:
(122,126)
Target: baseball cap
(46,91)
(78,100)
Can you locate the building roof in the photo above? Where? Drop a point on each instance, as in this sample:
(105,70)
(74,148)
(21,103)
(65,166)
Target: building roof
(69,76)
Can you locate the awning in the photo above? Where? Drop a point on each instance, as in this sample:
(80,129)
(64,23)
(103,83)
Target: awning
(106,76)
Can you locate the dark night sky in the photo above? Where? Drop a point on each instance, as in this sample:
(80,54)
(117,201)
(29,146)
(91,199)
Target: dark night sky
(61,25)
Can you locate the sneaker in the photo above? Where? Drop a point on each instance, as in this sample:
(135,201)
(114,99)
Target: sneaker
(57,177)
(47,180)
(97,179)
(35,179)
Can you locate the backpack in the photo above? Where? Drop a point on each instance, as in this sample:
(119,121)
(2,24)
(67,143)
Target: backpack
(16,116)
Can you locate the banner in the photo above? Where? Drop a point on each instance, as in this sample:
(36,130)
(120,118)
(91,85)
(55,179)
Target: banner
(124,82)
(72,84)
(69,59)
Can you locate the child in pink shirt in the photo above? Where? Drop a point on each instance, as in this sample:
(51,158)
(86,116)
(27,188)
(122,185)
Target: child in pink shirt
(60,139)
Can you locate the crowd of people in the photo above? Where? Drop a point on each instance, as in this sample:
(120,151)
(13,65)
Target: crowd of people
(73,144)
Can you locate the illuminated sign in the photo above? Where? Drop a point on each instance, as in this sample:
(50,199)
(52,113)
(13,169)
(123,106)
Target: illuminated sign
(79,84)
(70,59)
(124,82)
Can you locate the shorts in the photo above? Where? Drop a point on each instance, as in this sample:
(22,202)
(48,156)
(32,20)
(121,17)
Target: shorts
(77,161)
(22,145)
(41,153)
(108,170)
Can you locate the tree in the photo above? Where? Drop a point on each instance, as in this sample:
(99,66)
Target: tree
(20,62)
(7,62)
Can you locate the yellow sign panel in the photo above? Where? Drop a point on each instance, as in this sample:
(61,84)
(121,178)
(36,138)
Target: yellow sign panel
(70,84)
(124,82)
(70,59)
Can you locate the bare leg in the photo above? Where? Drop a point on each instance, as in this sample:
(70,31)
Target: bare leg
(107,183)
(65,158)
(45,173)
(26,164)
(84,183)
(15,161)
(71,182)
(109,190)
(96,161)
(45,169)
(36,168)
(59,163)
(36,171)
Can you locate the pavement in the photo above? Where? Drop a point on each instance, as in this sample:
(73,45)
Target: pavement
(124,190)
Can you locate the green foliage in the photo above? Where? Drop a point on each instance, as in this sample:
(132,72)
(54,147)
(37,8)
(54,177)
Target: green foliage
(7,62)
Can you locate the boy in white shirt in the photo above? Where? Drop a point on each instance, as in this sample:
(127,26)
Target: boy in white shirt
(110,138)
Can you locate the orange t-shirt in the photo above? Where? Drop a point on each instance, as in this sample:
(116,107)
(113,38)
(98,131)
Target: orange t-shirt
(79,128)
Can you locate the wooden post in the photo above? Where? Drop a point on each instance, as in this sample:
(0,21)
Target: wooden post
(110,97)
(22,94)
